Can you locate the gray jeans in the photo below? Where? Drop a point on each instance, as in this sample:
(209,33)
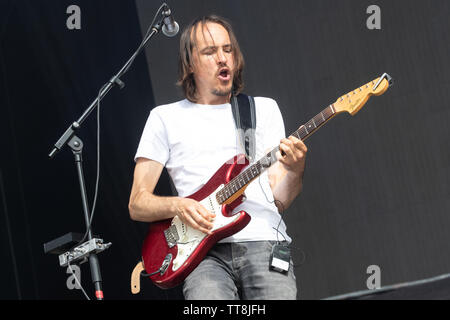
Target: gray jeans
(234,271)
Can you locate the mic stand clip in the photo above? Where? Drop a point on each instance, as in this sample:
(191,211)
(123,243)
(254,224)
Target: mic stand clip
(83,251)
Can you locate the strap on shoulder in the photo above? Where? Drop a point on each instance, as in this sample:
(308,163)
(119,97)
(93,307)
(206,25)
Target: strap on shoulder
(243,108)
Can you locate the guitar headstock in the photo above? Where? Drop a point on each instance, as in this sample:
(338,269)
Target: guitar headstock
(353,101)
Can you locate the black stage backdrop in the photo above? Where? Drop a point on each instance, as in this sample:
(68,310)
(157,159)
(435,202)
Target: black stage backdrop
(376,188)
(50,74)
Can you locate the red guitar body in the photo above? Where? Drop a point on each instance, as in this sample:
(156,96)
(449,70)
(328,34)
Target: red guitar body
(156,250)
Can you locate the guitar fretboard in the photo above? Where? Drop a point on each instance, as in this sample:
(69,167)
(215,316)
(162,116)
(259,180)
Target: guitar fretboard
(254,170)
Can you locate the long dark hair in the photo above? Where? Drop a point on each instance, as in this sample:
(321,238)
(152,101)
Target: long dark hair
(187,43)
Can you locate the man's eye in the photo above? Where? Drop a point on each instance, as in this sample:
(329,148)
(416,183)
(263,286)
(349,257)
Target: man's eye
(209,51)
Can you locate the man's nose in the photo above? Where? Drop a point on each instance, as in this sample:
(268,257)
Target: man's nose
(221,57)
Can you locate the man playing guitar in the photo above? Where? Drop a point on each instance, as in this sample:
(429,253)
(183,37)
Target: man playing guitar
(192,138)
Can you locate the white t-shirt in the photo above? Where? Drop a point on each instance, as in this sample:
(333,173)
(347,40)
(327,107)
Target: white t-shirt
(193,141)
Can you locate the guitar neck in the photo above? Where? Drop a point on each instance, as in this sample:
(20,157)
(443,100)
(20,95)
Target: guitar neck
(240,182)
(306,130)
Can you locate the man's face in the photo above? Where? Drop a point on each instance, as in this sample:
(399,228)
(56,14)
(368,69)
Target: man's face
(213,64)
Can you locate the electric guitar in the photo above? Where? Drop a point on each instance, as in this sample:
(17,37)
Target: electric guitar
(172,249)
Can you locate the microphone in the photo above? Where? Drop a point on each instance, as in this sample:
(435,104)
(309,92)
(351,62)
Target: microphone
(170,27)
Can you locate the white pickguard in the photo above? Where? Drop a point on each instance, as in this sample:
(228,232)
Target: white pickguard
(190,238)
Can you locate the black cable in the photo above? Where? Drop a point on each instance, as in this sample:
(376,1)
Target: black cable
(143,274)
(97,179)
(278,226)
(130,62)
(275,201)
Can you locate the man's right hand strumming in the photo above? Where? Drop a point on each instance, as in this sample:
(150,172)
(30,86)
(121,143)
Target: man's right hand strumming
(192,213)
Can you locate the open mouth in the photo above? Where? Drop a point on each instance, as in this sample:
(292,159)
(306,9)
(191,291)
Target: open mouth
(224,74)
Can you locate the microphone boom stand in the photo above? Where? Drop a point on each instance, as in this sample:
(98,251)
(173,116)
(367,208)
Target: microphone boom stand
(69,138)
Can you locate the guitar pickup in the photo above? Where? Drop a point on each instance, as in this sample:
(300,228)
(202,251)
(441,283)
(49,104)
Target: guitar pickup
(171,235)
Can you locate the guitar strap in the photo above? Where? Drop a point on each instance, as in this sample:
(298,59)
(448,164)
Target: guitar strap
(244,114)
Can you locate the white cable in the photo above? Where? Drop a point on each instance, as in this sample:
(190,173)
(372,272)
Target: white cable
(77,281)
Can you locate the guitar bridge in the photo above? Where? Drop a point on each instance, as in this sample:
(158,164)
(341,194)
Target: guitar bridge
(172,236)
